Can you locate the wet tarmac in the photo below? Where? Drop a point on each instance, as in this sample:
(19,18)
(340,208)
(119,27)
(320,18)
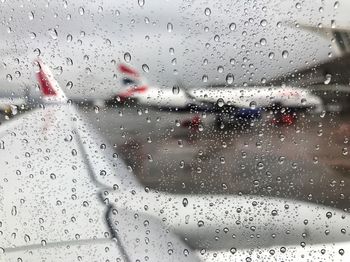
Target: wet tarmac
(307,160)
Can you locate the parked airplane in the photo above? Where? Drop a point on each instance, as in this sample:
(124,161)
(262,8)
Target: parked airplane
(66,196)
(10,103)
(230,104)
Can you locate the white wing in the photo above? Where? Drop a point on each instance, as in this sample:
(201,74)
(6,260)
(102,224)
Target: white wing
(56,179)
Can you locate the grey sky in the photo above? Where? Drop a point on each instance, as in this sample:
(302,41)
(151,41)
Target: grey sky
(105,34)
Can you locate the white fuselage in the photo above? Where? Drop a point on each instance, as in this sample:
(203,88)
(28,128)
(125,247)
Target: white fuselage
(259,97)
(245,97)
(164,98)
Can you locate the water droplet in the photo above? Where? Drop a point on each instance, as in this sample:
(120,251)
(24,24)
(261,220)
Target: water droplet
(207,11)
(323,114)
(333,23)
(176,90)
(232,26)
(263,41)
(327,79)
(37,51)
(252,105)
(32,35)
(58,70)
(229,78)
(205,78)
(233,250)
(281,160)
(141,3)
(298,5)
(263,22)
(69,84)
(329,214)
(108,42)
(221,102)
(260,165)
(200,223)
(336,4)
(182,164)
(345,151)
(69,38)
(14,211)
(52,33)
(271,55)
(145,68)
(285,54)
(9,77)
(341,251)
(169,27)
(69,61)
(185,202)
(31,15)
(26,238)
(52,176)
(127,57)
(81,10)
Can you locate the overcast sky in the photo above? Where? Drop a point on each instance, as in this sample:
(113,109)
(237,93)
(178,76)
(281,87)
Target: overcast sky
(96,34)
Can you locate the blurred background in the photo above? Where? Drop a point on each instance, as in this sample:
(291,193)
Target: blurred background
(238,45)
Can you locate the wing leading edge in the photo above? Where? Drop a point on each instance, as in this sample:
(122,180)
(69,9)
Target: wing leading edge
(58,175)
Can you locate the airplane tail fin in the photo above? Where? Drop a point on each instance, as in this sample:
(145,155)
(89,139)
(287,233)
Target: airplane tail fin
(50,89)
(131,82)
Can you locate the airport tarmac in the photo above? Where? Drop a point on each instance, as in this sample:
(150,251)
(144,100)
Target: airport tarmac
(306,161)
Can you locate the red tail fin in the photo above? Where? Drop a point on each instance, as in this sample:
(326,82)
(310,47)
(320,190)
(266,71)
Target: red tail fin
(48,85)
(128,70)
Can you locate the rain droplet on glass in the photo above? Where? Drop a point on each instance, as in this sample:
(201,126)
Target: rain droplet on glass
(145,68)
(169,27)
(127,57)
(207,11)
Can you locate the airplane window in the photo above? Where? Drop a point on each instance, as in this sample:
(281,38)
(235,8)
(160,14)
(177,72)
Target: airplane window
(174,130)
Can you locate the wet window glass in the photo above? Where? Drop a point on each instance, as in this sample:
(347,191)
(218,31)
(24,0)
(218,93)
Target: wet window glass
(174,130)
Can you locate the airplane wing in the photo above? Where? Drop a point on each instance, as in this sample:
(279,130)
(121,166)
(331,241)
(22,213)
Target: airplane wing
(56,179)
(66,196)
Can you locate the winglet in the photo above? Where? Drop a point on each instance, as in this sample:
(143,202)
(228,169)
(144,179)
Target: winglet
(50,89)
